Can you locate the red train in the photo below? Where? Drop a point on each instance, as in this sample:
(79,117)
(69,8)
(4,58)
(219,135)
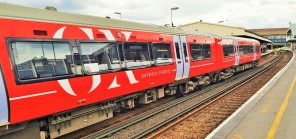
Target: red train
(61,72)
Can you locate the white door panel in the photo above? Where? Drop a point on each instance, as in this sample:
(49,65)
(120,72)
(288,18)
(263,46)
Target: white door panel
(182,58)
(185,59)
(179,68)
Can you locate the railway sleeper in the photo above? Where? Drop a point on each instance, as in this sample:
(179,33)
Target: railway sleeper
(234,105)
(240,98)
(235,101)
(223,112)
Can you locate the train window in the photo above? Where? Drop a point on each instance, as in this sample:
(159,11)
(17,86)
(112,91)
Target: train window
(228,50)
(251,49)
(247,49)
(136,54)
(178,52)
(207,51)
(99,57)
(121,56)
(162,53)
(258,49)
(35,60)
(241,50)
(200,51)
(185,52)
(196,51)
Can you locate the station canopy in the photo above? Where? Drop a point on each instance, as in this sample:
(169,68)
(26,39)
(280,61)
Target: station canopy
(224,30)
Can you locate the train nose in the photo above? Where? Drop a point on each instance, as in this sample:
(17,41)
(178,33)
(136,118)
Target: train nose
(3,102)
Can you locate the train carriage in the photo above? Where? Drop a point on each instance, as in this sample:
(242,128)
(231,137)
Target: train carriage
(229,53)
(203,51)
(239,51)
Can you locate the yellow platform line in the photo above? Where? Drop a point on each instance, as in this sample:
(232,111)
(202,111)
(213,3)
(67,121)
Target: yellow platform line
(280,113)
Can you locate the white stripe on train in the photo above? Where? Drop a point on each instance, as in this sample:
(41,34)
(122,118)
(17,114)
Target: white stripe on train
(34,95)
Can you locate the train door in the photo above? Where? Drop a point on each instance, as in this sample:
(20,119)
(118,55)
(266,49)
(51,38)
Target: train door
(4,103)
(182,59)
(255,51)
(236,52)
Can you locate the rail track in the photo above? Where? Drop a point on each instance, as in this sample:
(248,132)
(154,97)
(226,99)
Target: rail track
(147,122)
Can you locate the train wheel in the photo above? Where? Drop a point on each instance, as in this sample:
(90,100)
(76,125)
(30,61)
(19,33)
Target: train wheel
(215,78)
(254,65)
(181,90)
(200,87)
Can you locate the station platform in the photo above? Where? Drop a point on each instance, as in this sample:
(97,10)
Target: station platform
(270,113)
(267,53)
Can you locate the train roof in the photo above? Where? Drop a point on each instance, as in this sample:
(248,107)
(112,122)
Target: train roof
(237,38)
(28,13)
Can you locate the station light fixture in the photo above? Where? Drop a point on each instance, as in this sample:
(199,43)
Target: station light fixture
(222,21)
(174,8)
(119,14)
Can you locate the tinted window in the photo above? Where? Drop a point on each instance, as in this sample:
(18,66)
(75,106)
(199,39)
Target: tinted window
(196,51)
(99,56)
(207,51)
(200,51)
(241,50)
(246,49)
(250,49)
(162,53)
(185,52)
(136,54)
(178,52)
(41,59)
(228,50)
(258,49)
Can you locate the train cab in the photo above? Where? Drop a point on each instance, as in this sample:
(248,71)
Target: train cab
(246,51)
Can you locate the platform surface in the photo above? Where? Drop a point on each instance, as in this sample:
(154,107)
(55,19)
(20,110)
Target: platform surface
(273,115)
(258,122)
(267,52)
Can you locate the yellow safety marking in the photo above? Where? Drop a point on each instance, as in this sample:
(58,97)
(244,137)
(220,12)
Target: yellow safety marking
(239,136)
(280,113)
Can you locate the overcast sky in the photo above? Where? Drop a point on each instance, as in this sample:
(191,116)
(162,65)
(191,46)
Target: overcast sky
(241,13)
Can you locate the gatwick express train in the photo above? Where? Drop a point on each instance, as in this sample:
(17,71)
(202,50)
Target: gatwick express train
(60,72)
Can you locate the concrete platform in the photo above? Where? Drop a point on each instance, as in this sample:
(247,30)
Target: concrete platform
(267,53)
(270,113)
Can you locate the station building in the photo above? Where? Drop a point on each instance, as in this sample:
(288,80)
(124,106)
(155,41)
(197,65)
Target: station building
(277,35)
(225,30)
(291,35)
